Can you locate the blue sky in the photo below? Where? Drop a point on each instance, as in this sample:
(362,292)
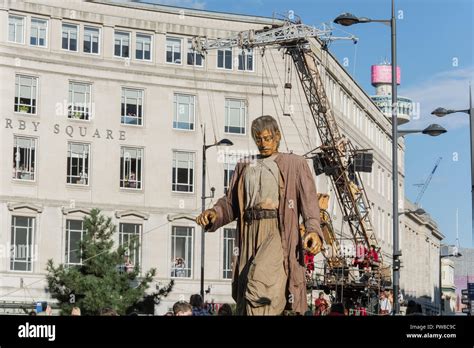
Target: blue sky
(436,56)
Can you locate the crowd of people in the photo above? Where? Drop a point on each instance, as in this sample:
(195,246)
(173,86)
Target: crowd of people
(197,307)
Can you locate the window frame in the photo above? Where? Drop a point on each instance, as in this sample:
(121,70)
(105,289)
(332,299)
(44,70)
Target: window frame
(175,38)
(31,237)
(142,116)
(18,90)
(137,34)
(67,253)
(121,44)
(69,43)
(227,116)
(23,18)
(224,59)
(188,249)
(175,172)
(35,139)
(190,50)
(99,46)
(225,260)
(89,169)
(175,112)
(138,258)
(45,35)
(71,103)
(245,54)
(138,181)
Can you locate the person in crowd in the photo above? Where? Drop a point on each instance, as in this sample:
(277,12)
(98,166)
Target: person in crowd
(321,305)
(108,312)
(182,308)
(385,306)
(197,305)
(337,310)
(225,310)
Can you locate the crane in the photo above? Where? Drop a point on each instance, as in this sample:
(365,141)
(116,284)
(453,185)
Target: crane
(336,156)
(424,185)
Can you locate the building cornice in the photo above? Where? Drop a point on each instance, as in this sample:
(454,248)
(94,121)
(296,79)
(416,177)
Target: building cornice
(126,213)
(23,205)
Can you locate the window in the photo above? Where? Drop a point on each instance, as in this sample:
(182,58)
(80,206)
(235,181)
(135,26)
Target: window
(79,106)
(181,251)
(91,40)
(194,58)
(173,50)
(132,106)
(25,94)
(229,167)
(143,50)
(122,44)
(235,115)
(16,29)
(229,244)
(382,185)
(130,238)
(183,171)
(39,29)
(224,59)
(246,60)
(78,163)
(131,167)
(69,36)
(22,247)
(74,234)
(183,117)
(24,156)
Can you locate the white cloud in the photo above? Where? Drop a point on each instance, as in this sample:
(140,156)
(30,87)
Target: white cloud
(448,89)
(197,4)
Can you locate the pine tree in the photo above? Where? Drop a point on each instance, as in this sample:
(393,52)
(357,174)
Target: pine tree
(101,280)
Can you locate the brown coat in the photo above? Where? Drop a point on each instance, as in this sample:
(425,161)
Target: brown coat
(298,196)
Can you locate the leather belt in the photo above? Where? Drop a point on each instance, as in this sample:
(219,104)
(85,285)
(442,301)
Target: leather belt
(259,214)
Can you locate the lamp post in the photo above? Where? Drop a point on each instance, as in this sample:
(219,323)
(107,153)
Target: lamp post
(347,19)
(418,211)
(432,130)
(223,142)
(457,254)
(441,112)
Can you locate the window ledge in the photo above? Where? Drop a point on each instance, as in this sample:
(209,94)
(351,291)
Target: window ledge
(78,187)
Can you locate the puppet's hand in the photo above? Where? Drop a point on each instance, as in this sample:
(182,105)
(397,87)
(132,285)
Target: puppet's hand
(207,217)
(312,243)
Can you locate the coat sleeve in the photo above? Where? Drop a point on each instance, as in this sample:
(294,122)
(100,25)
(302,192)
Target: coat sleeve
(227,207)
(308,199)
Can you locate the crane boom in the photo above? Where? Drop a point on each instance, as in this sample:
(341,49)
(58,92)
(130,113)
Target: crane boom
(427,182)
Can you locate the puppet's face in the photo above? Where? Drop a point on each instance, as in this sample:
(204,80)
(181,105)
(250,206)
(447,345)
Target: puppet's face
(267,142)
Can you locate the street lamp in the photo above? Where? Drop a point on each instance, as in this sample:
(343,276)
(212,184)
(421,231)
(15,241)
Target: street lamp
(418,211)
(347,19)
(432,130)
(456,254)
(441,112)
(223,142)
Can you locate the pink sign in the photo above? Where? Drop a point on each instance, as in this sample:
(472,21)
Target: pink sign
(383,74)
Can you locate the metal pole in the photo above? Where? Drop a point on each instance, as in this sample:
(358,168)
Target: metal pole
(203,207)
(440,284)
(396,251)
(471,126)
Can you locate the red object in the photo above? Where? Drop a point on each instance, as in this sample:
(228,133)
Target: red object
(309,261)
(374,255)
